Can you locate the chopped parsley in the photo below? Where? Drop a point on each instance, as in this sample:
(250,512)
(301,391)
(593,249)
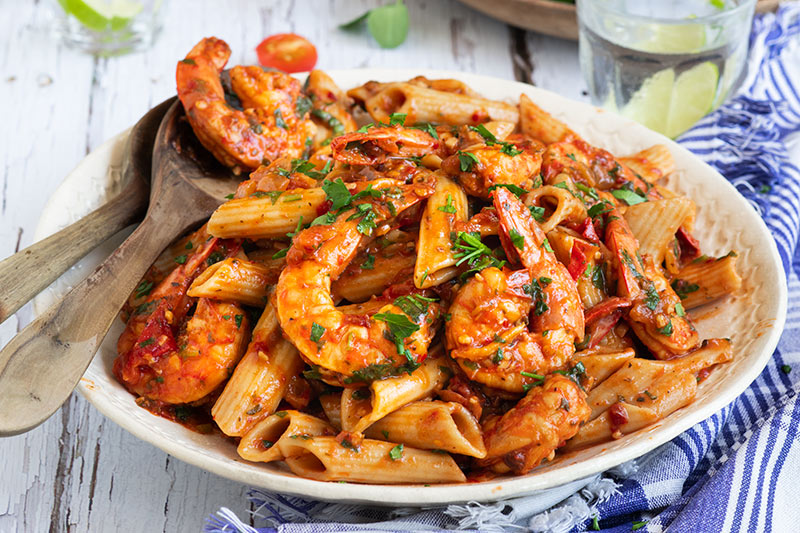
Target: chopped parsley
(428,128)
(396,452)
(181,259)
(143,289)
(575,373)
(467,160)
(188,61)
(517,239)
(651,297)
(317,332)
(498,356)
(546,245)
(682,287)
(279,120)
(679,310)
(490,140)
(667,329)
(238,319)
(280,253)
(599,209)
(147,342)
(397,119)
(448,207)
(369,262)
(537,212)
(302,106)
(786,369)
(516,189)
(629,197)
(650,395)
(332,122)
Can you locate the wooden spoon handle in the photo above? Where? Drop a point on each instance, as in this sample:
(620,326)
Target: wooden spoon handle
(27,273)
(41,366)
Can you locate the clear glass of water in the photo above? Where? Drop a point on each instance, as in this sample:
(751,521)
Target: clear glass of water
(663,63)
(107,27)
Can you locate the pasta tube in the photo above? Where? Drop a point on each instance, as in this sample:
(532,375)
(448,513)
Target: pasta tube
(234,280)
(370,461)
(705,281)
(260,380)
(266,215)
(263,443)
(654,224)
(433,425)
(362,409)
(421,104)
(435,262)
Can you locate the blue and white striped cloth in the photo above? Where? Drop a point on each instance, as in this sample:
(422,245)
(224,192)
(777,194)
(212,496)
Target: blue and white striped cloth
(736,471)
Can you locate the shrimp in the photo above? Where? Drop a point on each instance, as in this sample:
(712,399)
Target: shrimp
(489,333)
(531,431)
(478,168)
(379,144)
(351,344)
(163,359)
(265,125)
(591,166)
(656,314)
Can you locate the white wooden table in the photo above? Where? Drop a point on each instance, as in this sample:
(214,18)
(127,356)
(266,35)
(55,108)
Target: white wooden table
(79,471)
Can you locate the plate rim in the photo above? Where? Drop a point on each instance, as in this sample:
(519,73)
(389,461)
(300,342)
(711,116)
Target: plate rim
(493,490)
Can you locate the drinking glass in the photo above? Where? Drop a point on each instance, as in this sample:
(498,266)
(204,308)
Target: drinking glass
(107,27)
(665,64)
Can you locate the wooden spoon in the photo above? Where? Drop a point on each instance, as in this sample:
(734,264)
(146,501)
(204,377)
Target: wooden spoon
(41,366)
(28,272)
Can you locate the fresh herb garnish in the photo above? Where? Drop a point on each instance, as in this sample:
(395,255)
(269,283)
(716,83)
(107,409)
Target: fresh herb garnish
(467,160)
(333,123)
(238,319)
(396,452)
(516,239)
(651,297)
(397,119)
(279,120)
(629,197)
(448,207)
(667,329)
(302,106)
(317,332)
(682,287)
(143,289)
(181,259)
(516,189)
(369,262)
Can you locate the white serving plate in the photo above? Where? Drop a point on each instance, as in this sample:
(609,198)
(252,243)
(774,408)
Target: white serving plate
(753,319)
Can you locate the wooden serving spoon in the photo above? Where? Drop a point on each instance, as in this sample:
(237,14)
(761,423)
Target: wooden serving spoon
(41,366)
(28,272)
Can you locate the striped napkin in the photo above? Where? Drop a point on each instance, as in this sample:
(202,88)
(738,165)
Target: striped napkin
(737,470)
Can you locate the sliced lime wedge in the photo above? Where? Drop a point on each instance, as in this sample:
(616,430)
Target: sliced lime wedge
(99,15)
(692,97)
(650,105)
(674,39)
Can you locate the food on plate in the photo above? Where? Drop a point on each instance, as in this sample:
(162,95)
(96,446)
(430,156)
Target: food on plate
(460,289)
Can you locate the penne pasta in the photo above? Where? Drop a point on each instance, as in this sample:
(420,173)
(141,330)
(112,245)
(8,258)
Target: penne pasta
(538,124)
(332,405)
(266,215)
(654,224)
(263,442)
(385,268)
(705,281)
(561,203)
(601,363)
(652,163)
(432,425)
(360,410)
(260,380)
(370,461)
(421,104)
(435,261)
(235,280)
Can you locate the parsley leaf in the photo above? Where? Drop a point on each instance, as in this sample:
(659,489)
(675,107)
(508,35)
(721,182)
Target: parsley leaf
(332,122)
(337,192)
(302,106)
(369,262)
(396,452)
(143,289)
(651,297)
(279,120)
(517,239)
(629,197)
(516,189)
(448,207)
(467,160)
(666,330)
(317,332)
(397,119)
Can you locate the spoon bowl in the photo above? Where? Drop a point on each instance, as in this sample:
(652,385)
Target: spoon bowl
(41,366)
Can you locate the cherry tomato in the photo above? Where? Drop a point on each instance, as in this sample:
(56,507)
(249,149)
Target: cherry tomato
(287,52)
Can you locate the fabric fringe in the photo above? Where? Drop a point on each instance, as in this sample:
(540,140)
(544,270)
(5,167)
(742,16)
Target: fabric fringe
(226,521)
(577,509)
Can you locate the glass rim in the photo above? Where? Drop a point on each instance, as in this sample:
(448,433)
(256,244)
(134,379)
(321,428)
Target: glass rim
(728,13)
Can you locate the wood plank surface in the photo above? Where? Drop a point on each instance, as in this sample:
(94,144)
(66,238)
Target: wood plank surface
(79,471)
